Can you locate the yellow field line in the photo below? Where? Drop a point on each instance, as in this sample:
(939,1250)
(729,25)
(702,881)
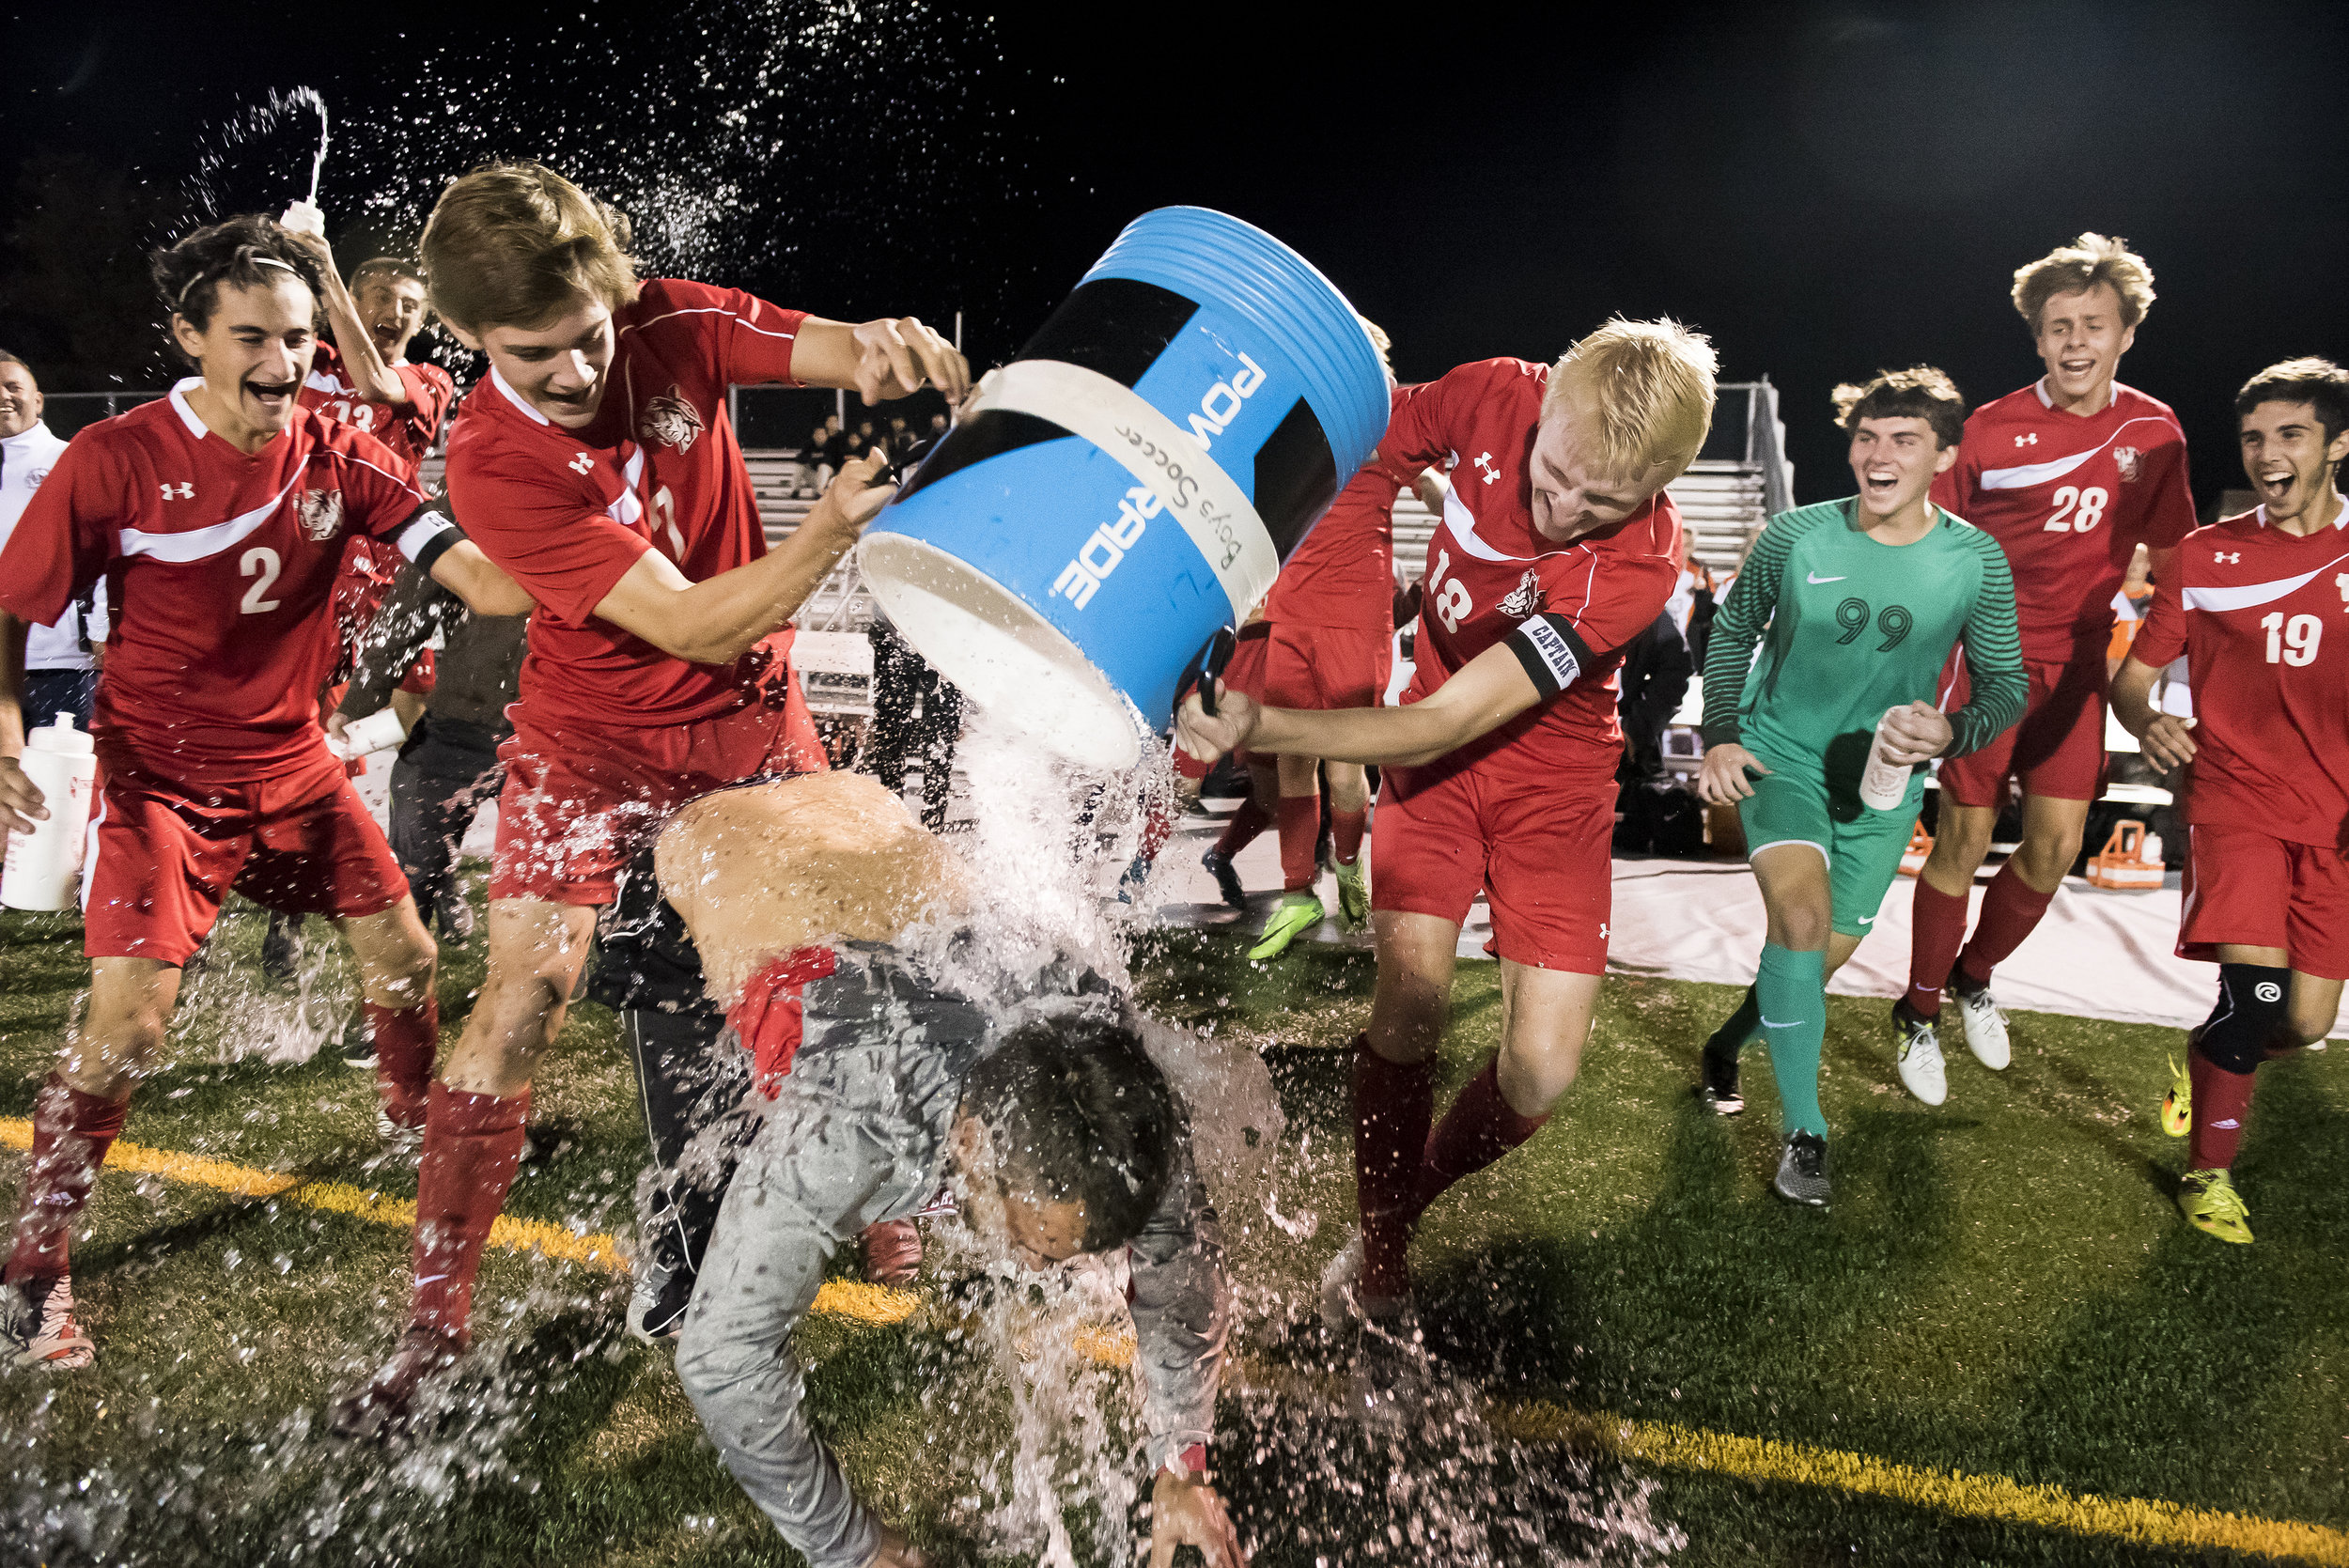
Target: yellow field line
(2148,1521)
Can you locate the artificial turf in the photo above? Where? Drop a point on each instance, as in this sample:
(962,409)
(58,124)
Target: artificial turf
(2001,1287)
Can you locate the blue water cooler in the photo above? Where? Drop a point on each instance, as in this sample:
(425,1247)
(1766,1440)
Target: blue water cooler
(1130,482)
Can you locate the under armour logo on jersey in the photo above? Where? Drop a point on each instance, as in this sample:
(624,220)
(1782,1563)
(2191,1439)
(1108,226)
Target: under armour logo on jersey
(2031,440)
(581,464)
(184,491)
(2341,581)
(1484,461)
(2226,557)
(1602,930)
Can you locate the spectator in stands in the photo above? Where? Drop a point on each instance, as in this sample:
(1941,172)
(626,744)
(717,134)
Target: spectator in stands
(899,442)
(937,426)
(816,465)
(60,659)
(901,678)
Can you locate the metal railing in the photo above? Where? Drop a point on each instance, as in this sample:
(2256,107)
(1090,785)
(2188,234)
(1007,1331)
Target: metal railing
(1764,444)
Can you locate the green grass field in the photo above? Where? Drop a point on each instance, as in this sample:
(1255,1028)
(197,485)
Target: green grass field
(2002,1288)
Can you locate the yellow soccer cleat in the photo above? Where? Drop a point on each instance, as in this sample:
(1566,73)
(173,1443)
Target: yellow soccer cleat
(2177,1107)
(2210,1203)
(1296,914)
(1353,893)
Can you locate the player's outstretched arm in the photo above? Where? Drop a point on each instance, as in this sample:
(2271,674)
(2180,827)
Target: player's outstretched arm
(717,621)
(465,571)
(1490,690)
(2168,739)
(377,380)
(892,357)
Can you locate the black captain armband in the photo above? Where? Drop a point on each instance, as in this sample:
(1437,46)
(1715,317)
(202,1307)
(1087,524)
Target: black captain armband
(426,536)
(1553,651)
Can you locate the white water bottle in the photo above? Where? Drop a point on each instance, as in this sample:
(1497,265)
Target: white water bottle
(382,728)
(44,865)
(1885,784)
(305,217)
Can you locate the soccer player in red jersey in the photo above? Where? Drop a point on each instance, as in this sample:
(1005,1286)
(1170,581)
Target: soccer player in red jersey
(218,517)
(1558,547)
(598,461)
(2259,605)
(2070,476)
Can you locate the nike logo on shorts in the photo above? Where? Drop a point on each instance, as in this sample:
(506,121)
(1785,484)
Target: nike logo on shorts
(1817,578)
(1773,1023)
(1867,920)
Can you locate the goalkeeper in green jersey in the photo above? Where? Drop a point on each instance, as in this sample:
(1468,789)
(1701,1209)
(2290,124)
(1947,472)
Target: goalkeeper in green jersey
(1857,605)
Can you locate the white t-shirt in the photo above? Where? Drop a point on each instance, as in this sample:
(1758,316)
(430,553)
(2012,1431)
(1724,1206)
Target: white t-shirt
(24,462)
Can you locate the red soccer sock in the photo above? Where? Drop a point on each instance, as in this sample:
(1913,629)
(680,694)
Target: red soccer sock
(72,1133)
(1241,829)
(1346,834)
(471,1145)
(2011,908)
(1478,1129)
(1392,1105)
(406,1041)
(1300,826)
(2222,1103)
(1157,826)
(1936,930)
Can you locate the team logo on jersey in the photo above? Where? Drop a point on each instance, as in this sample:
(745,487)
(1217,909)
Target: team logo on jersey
(322,514)
(32,480)
(670,421)
(1526,597)
(2125,459)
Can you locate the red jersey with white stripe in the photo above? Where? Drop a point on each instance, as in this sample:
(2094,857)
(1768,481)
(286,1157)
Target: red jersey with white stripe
(2070,498)
(2262,619)
(219,569)
(566,513)
(408,431)
(1488,571)
(1343,574)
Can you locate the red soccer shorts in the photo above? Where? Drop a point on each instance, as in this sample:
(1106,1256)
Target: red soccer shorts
(163,855)
(1326,667)
(1539,849)
(579,805)
(2057,750)
(2246,889)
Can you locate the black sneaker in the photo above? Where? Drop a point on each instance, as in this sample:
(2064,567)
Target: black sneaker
(1226,880)
(1718,1090)
(1802,1169)
(281,948)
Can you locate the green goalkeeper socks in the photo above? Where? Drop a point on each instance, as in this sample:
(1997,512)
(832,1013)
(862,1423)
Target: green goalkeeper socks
(1792,989)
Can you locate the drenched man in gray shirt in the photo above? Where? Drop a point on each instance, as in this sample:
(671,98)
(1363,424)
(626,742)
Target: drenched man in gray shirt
(893,1076)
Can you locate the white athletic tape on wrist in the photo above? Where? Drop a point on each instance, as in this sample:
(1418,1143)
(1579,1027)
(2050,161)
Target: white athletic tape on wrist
(1198,494)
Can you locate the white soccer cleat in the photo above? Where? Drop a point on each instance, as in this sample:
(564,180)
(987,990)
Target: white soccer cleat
(1985,1027)
(1922,1073)
(1339,1281)
(37,1328)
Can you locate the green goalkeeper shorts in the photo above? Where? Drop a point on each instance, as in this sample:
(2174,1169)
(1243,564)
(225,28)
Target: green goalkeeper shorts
(1794,803)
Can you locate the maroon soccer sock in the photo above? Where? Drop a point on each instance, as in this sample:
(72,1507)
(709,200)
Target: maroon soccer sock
(1392,1105)
(1300,825)
(2011,908)
(72,1133)
(1346,834)
(406,1040)
(1241,829)
(1936,930)
(472,1147)
(1478,1129)
(2222,1104)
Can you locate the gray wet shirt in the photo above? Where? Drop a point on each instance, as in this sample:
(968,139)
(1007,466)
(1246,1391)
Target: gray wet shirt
(857,1134)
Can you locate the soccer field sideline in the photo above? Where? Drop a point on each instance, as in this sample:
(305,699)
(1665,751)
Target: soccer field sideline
(2153,1522)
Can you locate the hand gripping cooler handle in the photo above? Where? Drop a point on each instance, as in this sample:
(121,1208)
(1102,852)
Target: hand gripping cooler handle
(1209,666)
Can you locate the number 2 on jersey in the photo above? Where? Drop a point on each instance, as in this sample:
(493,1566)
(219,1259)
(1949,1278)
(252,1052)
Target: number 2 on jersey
(2078,510)
(2294,641)
(260,563)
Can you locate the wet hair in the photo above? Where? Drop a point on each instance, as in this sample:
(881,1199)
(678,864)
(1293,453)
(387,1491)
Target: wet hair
(2080,266)
(2318,383)
(394,267)
(519,245)
(1919,392)
(1078,1113)
(249,251)
(1650,386)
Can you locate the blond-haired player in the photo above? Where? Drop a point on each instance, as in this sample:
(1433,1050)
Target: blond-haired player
(1558,547)
(600,463)
(2070,476)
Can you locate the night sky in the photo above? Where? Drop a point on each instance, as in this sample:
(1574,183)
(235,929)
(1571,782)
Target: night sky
(1825,189)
